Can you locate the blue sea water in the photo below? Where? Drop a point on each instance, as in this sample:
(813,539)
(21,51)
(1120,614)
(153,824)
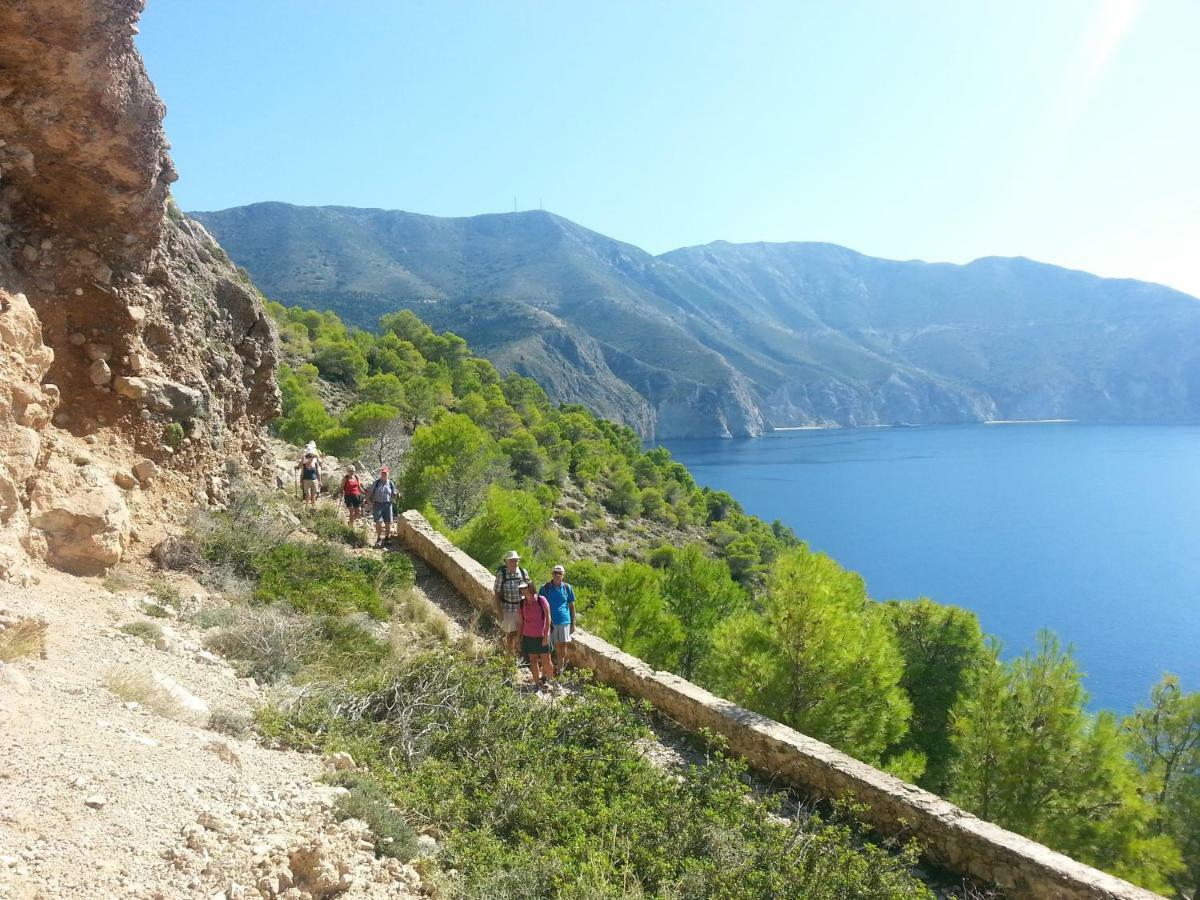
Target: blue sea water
(1092,531)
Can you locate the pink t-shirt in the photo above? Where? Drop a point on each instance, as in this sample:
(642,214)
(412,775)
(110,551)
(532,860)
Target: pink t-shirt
(534,615)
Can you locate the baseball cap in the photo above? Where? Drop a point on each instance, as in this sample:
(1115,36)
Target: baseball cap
(559,569)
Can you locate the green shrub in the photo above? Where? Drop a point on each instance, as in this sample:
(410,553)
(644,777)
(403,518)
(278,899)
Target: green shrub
(232,722)
(368,802)
(173,435)
(320,578)
(155,610)
(147,631)
(568,518)
(270,644)
(265,644)
(325,523)
(563,796)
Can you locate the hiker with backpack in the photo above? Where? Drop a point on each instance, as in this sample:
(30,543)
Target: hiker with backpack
(382,495)
(507,591)
(561,597)
(310,475)
(535,636)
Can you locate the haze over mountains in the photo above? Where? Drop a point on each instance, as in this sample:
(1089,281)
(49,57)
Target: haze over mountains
(733,339)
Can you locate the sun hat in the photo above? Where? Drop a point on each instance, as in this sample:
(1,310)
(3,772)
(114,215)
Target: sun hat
(558,569)
(511,554)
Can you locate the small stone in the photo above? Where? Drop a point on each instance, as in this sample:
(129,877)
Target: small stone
(78,338)
(95,801)
(47,244)
(125,481)
(145,470)
(78,292)
(339,762)
(99,373)
(426,845)
(91,439)
(137,313)
(213,822)
(137,362)
(132,387)
(99,351)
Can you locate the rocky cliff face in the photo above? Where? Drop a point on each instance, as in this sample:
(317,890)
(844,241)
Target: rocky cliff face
(135,361)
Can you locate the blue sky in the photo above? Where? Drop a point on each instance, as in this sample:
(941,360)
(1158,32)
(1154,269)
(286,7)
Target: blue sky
(1063,130)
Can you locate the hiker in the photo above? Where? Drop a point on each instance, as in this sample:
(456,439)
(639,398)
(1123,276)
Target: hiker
(535,636)
(310,475)
(507,590)
(352,494)
(561,597)
(382,495)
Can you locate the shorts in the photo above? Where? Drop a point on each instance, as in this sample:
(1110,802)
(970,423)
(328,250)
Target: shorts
(560,634)
(382,512)
(510,618)
(308,488)
(353,501)
(533,646)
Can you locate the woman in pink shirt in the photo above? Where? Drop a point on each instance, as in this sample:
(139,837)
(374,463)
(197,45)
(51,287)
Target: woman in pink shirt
(535,636)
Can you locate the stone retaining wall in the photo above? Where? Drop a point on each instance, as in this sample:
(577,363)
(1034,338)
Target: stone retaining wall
(952,837)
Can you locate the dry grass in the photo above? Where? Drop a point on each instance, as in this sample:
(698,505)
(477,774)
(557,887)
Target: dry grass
(26,637)
(266,642)
(428,621)
(139,686)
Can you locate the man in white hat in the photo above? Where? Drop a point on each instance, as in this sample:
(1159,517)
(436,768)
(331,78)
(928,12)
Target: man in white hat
(507,590)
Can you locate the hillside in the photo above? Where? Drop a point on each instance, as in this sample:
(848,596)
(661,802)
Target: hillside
(729,340)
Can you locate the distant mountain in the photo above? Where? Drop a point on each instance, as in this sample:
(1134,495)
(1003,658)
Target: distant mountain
(732,339)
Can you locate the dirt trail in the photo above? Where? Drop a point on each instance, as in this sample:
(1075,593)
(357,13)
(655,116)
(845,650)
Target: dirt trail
(102,797)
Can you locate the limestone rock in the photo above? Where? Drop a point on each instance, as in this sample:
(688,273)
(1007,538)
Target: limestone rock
(96,801)
(171,397)
(83,517)
(187,701)
(321,867)
(100,373)
(145,470)
(130,386)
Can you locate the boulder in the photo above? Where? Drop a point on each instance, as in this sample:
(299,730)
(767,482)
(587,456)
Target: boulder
(132,387)
(171,397)
(83,517)
(145,470)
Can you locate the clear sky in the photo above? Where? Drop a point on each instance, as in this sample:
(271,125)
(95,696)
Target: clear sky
(1063,130)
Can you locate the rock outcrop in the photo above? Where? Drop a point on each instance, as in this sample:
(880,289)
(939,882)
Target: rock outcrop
(125,332)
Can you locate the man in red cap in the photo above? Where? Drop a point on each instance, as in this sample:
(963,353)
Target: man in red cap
(382,495)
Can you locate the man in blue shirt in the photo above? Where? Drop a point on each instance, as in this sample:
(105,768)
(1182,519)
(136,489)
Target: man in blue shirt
(561,597)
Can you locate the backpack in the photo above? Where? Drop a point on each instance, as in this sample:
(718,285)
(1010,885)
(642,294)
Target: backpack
(519,575)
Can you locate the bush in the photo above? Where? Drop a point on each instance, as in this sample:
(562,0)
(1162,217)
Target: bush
(448,740)
(173,435)
(147,631)
(232,722)
(568,518)
(267,644)
(325,523)
(320,578)
(368,802)
(272,644)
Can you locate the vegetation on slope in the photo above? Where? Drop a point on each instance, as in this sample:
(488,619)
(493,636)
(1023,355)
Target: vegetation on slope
(526,798)
(692,584)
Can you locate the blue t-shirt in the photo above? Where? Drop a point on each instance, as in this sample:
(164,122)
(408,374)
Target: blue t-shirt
(559,599)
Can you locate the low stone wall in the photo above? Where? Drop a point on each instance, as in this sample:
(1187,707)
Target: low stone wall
(952,837)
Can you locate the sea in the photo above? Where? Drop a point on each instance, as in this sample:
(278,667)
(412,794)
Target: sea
(1091,531)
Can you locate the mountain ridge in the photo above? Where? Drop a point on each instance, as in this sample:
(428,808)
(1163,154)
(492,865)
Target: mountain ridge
(726,339)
